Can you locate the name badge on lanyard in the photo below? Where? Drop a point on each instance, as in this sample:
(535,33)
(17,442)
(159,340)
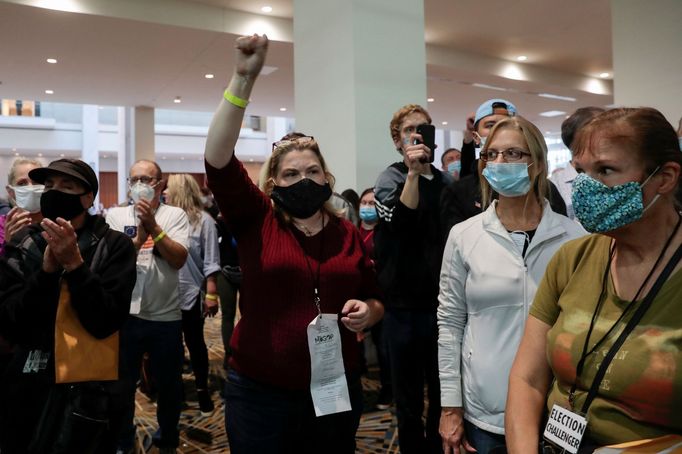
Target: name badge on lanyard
(328,385)
(565,429)
(144,263)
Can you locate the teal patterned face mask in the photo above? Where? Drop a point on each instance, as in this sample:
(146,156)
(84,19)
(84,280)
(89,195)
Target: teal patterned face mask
(601,208)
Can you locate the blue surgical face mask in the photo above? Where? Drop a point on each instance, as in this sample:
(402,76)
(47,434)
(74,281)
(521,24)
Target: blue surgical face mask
(509,179)
(601,208)
(454,166)
(368,214)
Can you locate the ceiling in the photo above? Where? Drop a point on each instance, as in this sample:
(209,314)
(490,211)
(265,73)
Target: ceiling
(108,60)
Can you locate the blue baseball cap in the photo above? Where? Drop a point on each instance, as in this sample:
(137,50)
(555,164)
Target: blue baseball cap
(488,108)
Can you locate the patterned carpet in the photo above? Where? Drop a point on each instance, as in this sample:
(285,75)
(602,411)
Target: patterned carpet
(377,432)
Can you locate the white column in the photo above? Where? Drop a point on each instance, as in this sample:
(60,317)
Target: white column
(276,128)
(356,62)
(123,161)
(135,141)
(89,146)
(647,49)
(143,118)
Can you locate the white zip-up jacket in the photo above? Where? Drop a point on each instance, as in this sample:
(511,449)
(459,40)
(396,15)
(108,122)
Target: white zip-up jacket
(486,288)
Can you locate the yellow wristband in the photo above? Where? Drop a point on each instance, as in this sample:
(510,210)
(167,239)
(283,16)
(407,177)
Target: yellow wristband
(235,100)
(212,296)
(160,236)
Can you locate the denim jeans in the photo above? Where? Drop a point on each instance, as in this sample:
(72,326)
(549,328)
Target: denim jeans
(228,306)
(412,337)
(485,442)
(163,342)
(261,418)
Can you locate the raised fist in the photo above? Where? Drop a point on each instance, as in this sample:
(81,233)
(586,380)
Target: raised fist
(250,54)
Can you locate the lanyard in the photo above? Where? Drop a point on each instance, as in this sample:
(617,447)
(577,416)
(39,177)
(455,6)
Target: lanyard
(315,277)
(629,327)
(367,236)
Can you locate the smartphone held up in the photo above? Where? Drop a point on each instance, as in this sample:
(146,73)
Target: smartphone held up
(428,134)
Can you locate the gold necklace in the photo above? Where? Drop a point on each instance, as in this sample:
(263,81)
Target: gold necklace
(306,231)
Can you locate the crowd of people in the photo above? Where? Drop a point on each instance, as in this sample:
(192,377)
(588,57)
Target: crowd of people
(511,311)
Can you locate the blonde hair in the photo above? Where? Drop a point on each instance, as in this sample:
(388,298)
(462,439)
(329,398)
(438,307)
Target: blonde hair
(292,142)
(12,175)
(184,192)
(537,148)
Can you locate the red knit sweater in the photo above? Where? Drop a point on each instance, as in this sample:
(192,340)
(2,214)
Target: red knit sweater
(269,343)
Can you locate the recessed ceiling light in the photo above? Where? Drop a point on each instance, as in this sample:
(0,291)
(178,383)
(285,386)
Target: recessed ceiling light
(521,58)
(105,156)
(209,76)
(561,98)
(177,100)
(51,60)
(604,75)
(182,158)
(61,155)
(163,157)
(282,109)
(548,132)
(568,116)
(489,87)
(430,100)
(49,92)
(266,9)
(40,155)
(552,113)
(16,154)
(267,70)
(444,123)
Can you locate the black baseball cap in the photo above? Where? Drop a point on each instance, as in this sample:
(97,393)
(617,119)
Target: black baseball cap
(74,168)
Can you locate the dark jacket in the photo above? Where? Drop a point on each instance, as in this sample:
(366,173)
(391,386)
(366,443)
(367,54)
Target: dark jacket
(4,207)
(407,242)
(100,289)
(100,296)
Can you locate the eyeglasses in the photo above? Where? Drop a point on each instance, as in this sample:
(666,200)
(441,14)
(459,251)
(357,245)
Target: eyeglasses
(510,154)
(288,142)
(143,179)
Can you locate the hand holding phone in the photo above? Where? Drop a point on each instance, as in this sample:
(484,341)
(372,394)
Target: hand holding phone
(428,134)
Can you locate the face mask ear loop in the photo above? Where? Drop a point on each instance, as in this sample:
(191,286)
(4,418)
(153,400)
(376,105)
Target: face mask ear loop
(650,204)
(650,176)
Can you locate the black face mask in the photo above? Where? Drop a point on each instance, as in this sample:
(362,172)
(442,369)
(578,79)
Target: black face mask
(57,204)
(303,199)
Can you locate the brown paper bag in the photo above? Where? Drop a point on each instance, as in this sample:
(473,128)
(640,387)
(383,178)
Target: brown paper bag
(78,355)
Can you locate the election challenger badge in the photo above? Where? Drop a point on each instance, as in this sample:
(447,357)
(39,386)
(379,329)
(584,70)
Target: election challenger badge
(565,429)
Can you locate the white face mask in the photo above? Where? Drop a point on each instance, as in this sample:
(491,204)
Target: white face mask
(28,197)
(140,191)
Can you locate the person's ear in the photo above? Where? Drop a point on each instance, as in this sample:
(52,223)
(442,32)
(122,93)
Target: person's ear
(10,193)
(670,175)
(398,145)
(88,200)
